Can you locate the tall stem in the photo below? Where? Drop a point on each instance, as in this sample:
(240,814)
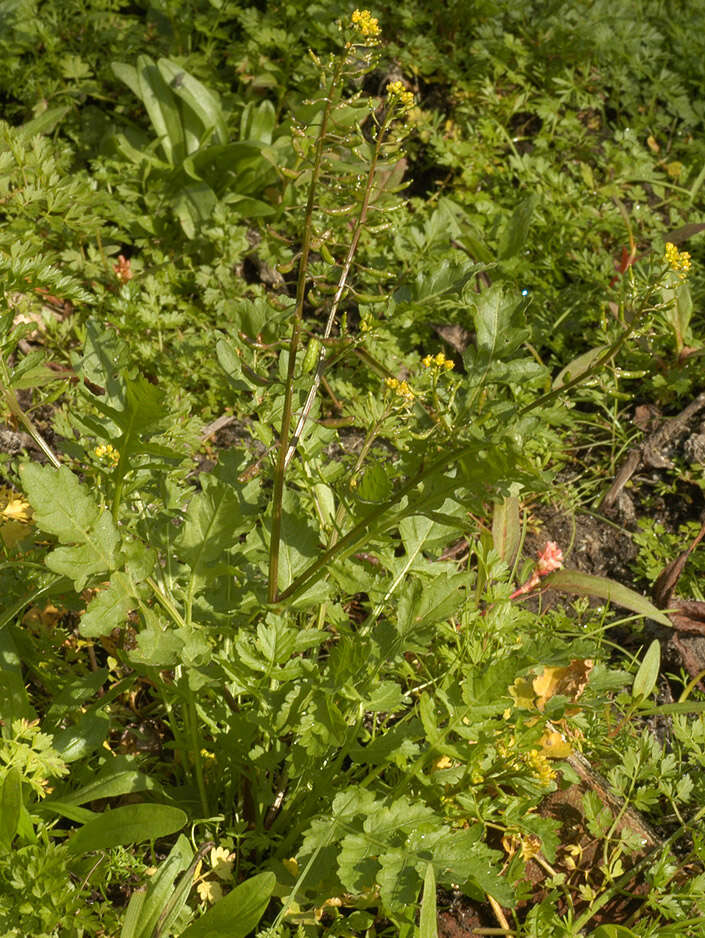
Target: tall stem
(280,469)
(338,295)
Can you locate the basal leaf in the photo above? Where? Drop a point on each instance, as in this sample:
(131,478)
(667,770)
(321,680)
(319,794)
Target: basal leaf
(162,108)
(200,100)
(130,824)
(238,913)
(585,584)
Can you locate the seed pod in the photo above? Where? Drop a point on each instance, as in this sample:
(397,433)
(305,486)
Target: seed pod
(311,357)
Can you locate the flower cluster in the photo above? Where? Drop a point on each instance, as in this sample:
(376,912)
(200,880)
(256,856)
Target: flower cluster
(677,260)
(401,388)
(108,453)
(540,766)
(366,24)
(396,90)
(438,361)
(551,559)
(123,270)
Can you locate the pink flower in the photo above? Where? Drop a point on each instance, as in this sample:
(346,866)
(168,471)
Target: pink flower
(122,269)
(551,559)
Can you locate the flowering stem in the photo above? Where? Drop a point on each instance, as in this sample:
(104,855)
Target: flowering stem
(281,464)
(340,289)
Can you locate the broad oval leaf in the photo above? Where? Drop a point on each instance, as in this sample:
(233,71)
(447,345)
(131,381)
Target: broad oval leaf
(129,824)
(238,913)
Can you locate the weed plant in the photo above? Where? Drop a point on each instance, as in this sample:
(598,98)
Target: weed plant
(297,680)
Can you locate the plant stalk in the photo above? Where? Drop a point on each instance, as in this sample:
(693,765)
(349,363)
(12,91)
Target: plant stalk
(280,468)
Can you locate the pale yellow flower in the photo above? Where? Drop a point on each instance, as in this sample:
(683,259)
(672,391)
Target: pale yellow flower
(209,892)
(221,865)
(540,766)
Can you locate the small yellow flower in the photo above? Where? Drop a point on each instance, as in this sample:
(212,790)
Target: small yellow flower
(366,24)
(209,892)
(540,766)
(13,508)
(395,89)
(221,865)
(400,388)
(677,260)
(108,453)
(15,518)
(438,361)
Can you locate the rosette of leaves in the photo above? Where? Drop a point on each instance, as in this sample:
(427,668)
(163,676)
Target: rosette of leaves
(192,161)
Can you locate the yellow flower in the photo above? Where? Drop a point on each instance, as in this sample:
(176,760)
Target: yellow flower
(13,508)
(401,388)
(209,892)
(530,847)
(366,24)
(540,766)
(15,518)
(395,89)
(108,453)
(438,361)
(677,260)
(221,865)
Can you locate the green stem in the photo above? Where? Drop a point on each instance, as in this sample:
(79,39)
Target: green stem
(196,745)
(13,405)
(280,469)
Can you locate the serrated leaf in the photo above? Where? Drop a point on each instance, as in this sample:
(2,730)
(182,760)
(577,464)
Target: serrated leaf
(499,322)
(398,881)
(109,609)
(129,824)
(585,584)
(212,520)
(62,506)
(422,605)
